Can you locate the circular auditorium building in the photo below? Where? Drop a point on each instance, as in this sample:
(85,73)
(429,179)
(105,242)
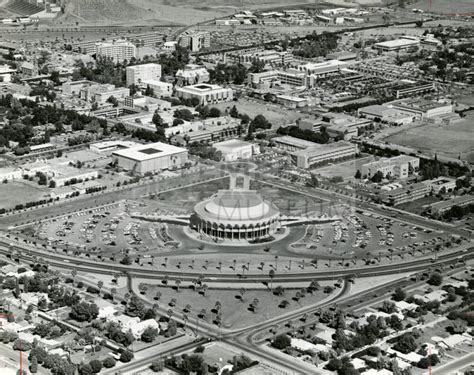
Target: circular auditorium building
(235,214)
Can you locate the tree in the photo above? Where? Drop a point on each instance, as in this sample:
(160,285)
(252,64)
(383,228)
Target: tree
(157,120)
(435,279)
(281,342)
(109,362)
(126,356)
(419,23)
(86,369)
(84,312)
(358,175)
(34,365)
(149,334)
(215,112)
(399,294)
(96,366)
(406,343)
(157,365)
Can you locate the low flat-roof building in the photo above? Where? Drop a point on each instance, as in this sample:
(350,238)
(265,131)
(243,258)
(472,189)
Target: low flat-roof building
(441,183)
(234,149)
(386,115)
(422,108)
(151,158)
(206,93)
(107,147)
(397,45)
(441,207)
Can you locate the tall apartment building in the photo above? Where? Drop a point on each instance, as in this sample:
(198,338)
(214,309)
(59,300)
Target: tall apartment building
(117,50)
(195,40)
(138,73)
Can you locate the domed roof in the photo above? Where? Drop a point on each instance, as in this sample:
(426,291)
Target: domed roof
(236,206)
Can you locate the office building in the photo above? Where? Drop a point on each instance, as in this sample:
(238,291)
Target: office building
(138,73)
(159,88)
(461,201)
(439,184)
(422,108)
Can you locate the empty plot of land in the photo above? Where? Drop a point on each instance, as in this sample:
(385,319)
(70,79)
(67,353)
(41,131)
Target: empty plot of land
(21,192)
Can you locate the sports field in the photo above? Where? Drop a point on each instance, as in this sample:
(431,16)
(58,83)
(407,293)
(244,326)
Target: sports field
(450,140)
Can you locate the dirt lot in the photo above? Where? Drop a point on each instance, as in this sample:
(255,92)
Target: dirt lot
(445,6)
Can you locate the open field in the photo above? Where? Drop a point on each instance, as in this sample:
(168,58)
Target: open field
(21,191)
(445,6)
(274,113)
(451,140)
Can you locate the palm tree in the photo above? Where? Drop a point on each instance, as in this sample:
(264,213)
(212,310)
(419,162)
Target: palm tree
(74,274)
(166,279)
(126,297)
(220,266)
(262,264)
(203,314)
(116,277)
(185,319)
(271,274)
(289,264)
(178,283)
(242,292)
(100,284)
(169,313)
(234,261)
(188,308)
(255,304)
(113,291)
(157,296)
(243,269)
(166,262)
(192,263)
(204,289)
(218,305)
(276,262)
(302,264)
(206,264)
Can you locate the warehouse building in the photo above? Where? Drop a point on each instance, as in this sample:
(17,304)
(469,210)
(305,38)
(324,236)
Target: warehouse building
(151,158)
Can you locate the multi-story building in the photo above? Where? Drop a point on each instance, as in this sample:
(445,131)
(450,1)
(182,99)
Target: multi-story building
(405,194)
(117,50)
(318,70)
(195,40)
(291,77)
(399,167)
(321,154)
(191,75)
(271,57)
(100,93)
(206,93)
(138,73)
(291,144)
(6,73)
(159,88)
(234,149)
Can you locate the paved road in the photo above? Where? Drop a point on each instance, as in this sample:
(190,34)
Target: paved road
(454,366)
